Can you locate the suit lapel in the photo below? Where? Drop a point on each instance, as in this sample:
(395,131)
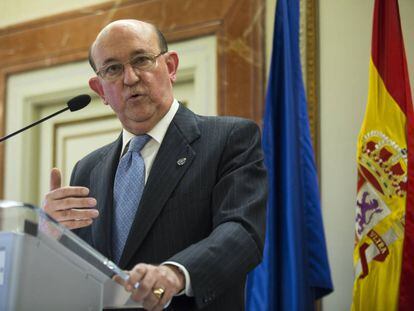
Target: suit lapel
(102,180)
(168,168)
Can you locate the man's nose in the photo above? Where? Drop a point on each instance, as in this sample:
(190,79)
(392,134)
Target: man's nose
(130,75)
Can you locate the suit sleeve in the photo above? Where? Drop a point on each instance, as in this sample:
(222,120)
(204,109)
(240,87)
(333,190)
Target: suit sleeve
(235,245)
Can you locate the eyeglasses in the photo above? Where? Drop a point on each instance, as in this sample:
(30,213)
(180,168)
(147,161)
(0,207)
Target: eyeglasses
(140,62)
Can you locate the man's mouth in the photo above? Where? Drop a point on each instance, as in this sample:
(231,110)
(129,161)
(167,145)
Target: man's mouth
(134,96)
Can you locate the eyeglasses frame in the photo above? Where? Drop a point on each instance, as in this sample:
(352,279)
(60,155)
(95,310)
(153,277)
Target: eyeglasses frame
(154,59)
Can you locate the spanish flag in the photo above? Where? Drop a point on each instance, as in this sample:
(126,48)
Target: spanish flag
(384,228)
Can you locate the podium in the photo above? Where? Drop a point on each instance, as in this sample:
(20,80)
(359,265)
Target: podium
(44,266)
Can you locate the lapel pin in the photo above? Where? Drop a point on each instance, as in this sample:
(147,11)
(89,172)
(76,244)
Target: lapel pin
(181,161)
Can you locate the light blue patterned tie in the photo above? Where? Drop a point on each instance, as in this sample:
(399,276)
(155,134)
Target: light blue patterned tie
(128,188)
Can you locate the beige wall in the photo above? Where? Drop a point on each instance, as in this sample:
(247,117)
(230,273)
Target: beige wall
(345,27)
(345,36)
(17,11)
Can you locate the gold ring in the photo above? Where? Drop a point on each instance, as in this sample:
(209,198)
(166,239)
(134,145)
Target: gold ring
(158,292)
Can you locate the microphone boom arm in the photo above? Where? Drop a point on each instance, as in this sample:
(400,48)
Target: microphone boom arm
(33,124)
(74,104)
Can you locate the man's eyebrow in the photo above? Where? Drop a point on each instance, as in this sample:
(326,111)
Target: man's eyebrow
(138,52)
(109,60)
(132,54)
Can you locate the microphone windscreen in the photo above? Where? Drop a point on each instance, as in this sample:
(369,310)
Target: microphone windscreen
(79,102)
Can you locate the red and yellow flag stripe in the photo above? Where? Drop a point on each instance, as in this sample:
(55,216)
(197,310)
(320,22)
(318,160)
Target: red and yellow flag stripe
(384,216)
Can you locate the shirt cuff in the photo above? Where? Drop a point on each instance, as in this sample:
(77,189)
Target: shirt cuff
(188,290)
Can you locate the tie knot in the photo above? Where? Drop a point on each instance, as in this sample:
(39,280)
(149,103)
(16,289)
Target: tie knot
(138,142)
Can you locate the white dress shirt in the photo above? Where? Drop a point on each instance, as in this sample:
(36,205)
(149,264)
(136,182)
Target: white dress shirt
(149,153)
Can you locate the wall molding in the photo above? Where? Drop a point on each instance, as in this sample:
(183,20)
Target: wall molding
(311,68)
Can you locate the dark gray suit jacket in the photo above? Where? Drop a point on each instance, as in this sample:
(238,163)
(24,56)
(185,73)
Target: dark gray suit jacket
(207,214)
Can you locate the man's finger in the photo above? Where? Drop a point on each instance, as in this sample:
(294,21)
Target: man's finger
(67,192)
(166,296)
(146,285)
(119,280)
(75,214)
(55,179)
(76,224)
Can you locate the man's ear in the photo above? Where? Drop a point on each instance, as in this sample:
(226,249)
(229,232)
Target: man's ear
(96,86)
(172,65)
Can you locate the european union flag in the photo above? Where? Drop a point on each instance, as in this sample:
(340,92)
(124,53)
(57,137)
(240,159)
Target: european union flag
(295,268)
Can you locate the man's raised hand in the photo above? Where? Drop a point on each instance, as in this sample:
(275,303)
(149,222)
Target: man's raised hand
(70,206)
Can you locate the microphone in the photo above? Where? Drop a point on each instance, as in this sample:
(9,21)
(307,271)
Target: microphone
(74,104)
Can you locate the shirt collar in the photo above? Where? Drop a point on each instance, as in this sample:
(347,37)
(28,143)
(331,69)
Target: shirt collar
(158,132)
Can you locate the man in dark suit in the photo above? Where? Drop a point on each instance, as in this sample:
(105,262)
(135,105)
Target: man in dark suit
(199,224)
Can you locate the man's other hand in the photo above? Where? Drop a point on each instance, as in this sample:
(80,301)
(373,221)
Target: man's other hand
(145,279)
